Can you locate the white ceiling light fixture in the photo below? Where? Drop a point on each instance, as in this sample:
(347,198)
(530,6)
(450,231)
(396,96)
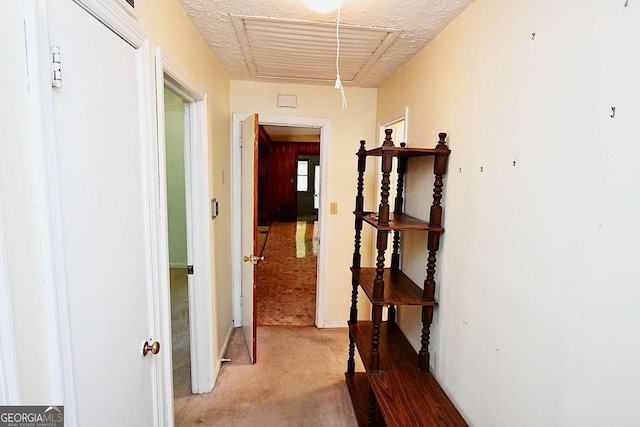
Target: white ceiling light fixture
(322,6)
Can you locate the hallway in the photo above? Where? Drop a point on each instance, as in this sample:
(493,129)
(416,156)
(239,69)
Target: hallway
(297,381)
(286,279)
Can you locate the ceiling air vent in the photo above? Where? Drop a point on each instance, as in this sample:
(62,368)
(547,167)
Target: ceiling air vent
(305,50)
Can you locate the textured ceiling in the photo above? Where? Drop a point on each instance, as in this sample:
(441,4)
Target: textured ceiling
(419,21)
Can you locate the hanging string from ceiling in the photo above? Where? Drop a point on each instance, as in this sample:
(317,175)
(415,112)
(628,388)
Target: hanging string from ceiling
(338,84)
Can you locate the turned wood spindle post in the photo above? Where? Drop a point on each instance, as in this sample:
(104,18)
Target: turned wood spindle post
(433,244)
(398,209)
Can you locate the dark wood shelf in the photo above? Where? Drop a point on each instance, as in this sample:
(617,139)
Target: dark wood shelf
(396,384)
(406,152)
(405,396)
(399,289)
(358,386)
(397,222)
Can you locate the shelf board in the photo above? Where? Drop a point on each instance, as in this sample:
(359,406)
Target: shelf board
(399,289)
(406,152)
(358,386)
(397,222)
(405,396)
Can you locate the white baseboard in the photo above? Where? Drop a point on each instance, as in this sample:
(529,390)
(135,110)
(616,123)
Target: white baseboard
(335,324)
(223,351)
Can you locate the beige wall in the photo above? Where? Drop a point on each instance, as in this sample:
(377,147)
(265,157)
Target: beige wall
(537,323)
(348,127)
(168,27)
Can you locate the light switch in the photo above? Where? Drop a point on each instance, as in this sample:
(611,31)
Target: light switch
(333,208)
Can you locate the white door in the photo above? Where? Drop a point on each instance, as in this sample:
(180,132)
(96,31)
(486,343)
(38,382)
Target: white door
(249,168)
(105,219)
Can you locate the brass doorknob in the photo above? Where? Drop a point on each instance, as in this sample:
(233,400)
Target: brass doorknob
(153,348)
(253,259)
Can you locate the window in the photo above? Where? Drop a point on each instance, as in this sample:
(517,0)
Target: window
(303,175)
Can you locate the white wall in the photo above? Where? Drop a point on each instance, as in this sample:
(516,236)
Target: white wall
(539,271)
(176,204)
(348,127)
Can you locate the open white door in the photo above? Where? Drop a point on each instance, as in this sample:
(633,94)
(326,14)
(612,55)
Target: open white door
(249,147)
(102,172)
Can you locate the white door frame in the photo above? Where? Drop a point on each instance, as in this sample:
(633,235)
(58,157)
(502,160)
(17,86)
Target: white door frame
(198,225)
(46,191)
(396,116)
(236,187)
(9,385)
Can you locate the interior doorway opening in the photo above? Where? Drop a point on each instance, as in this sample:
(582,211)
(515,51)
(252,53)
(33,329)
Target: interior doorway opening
(177,172)
(197,330)
(288,203)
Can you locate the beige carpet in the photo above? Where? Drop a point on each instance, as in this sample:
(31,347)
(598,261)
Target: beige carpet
(180,336)
(298,381)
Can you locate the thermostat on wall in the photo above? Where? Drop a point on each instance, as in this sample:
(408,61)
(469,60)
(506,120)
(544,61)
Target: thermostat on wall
(287,101)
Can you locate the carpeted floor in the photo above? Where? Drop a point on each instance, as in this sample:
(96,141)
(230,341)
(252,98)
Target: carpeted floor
(298,381)
(299,377)
(180,337)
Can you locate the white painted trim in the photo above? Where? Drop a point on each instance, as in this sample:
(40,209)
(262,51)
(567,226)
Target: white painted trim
(203,365)
(192,280)
(201,303)
(9,385)
(186,86)
(116,18)
(163,312)
(343,324)
(150,189)
(41,137)
(389,119)
(325,130)
(218,366)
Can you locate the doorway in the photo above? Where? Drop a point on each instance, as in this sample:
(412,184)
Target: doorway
(187,163)
(323,124)
(176,173)
(308,187)
(288,202)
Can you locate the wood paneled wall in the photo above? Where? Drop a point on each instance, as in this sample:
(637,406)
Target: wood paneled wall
(277,179)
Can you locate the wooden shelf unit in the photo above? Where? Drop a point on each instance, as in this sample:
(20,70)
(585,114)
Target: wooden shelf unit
(397,388)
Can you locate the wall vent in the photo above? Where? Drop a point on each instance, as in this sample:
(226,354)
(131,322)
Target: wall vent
(287,101)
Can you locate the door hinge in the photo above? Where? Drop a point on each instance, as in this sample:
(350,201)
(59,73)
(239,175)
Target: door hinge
(56,72)
(189,269)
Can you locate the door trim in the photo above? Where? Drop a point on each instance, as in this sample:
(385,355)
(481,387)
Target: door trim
(197,157)
(9,385)
(236,185)
(396,116)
